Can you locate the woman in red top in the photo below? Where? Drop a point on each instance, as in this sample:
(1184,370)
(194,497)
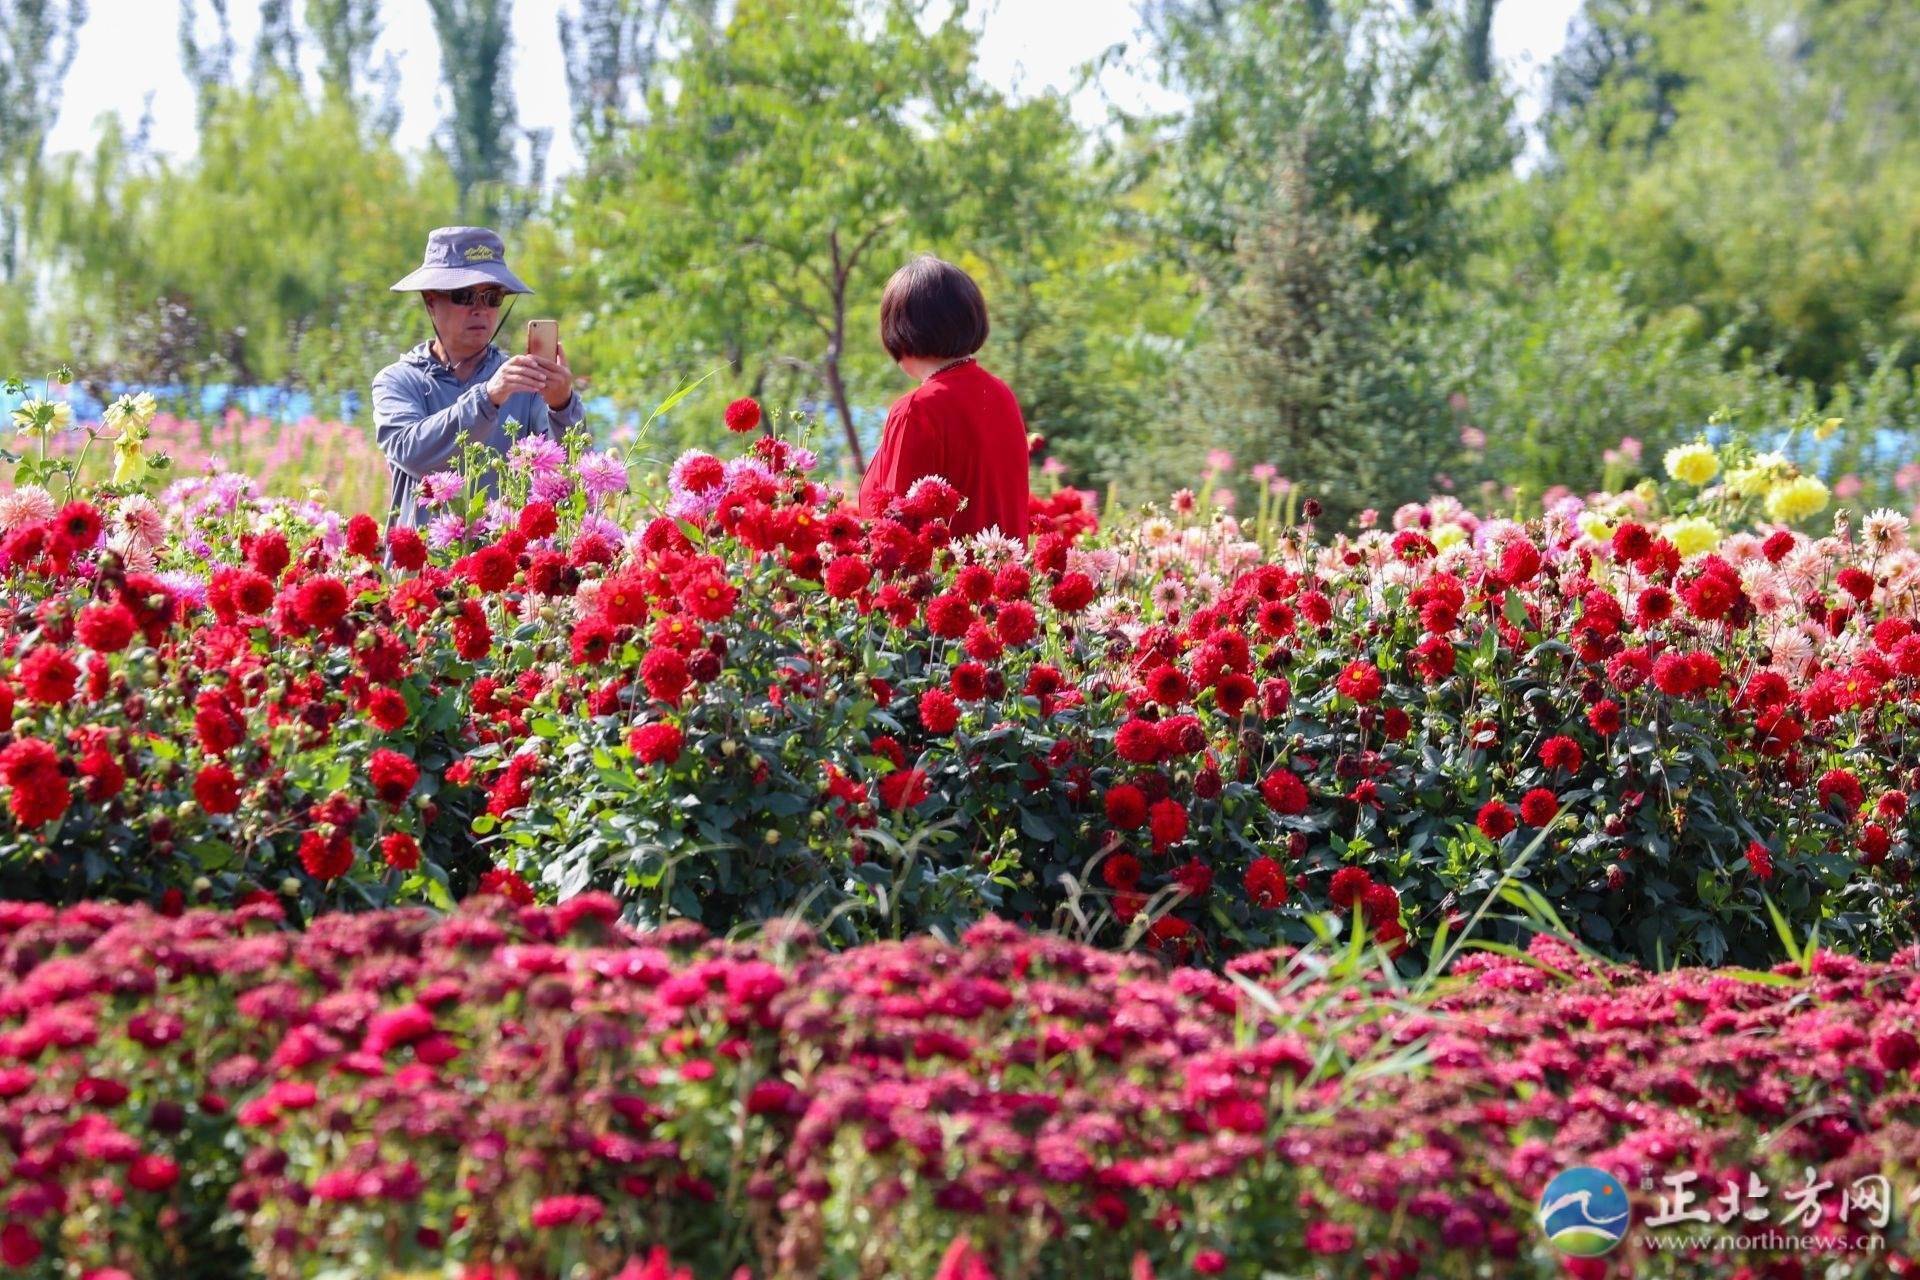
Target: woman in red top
(961,423)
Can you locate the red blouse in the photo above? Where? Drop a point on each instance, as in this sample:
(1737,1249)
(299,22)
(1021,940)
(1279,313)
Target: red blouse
(962,425)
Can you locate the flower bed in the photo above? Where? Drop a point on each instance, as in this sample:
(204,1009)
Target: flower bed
(746,701)
(538,1088)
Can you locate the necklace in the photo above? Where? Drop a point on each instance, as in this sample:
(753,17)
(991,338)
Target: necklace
(954,363)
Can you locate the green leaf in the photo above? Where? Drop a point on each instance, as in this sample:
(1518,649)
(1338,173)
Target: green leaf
(678,396)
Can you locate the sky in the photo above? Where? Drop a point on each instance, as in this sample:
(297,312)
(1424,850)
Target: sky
(129,53)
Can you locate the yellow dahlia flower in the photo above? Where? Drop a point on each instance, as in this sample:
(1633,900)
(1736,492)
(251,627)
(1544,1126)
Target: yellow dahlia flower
(1694,463)
(1692,535)
(1797,499)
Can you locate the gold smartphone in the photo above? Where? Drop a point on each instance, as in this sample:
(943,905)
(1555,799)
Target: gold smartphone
(543,338)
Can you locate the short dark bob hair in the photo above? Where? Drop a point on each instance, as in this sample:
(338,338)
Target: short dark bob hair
(932,309)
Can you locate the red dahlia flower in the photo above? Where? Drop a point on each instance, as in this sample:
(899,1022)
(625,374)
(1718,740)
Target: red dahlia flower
(1381,903)
(1539,807)
(1875,840)
(31,770)
(1266,882)
(407,549)
(1561,752)
(575,1210)
(1166,686)
(537,520)
(387,709)
(324,857)
(393,775)
(1350,884)
(401,851)
(938,712)
(48,675)
(508,884)
(1138,742)
(1840,785)
(321,602)
(903,789)
(1360,681)
(1167,820)
(363,537)
(656,743)
(1122,870)
(592,640)
(665,674)
(152,1173)
(1284,793)
(1494,820)
(106,628)
(847,576)
(1126,806)
(1759,860)
(742,415)
(79,524)
(1072,593)
(216,789)
(949,615)
(969,682)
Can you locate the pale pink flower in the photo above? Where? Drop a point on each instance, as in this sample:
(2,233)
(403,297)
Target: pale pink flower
(1219,461)
(1263,472)
(1630,448)
(23,506)
(1223,499)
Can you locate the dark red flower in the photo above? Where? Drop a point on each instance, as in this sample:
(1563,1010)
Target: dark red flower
(1349,886)
(1072,593)
(903,789)
(1495,820)
(48,675)
(1265,882)
(321,602)
(1561,752)
(401,851)
(37,789)
(1126,806)
(1360,680)
(326,857)
(216,789)
(1284,793)
(664,671)
(363,536)
(106,628)
(393,775)
(1538,807)
(939,713)
(656,743)
(742,415)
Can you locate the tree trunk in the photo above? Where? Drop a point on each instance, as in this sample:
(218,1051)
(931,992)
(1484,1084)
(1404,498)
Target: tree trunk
(836,343)
(830,367)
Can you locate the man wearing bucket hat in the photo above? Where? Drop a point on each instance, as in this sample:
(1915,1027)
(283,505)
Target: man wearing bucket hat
(460,386)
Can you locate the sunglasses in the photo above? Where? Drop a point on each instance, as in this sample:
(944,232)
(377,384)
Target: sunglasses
(476,297)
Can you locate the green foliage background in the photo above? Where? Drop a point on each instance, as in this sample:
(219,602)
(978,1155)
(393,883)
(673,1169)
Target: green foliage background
(1341,252)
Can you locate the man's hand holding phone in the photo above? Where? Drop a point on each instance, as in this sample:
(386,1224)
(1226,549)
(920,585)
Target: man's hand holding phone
(558,387)
(518,374)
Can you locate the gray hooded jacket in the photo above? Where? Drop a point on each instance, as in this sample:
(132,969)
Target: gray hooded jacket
(421,411)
